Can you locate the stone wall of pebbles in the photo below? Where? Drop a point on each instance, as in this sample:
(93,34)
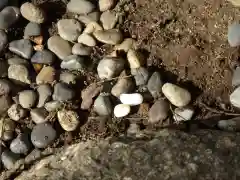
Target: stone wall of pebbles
(45,89)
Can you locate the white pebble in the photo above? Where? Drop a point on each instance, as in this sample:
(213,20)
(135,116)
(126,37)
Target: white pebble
(183,114)
(235,98)
(121,110)
(131,99)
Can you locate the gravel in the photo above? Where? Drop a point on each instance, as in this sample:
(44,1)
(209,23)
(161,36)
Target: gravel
(46,75)
(109,19)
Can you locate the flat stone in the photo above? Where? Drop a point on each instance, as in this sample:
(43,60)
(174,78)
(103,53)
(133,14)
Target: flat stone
(3,40)
(59,46)
(53,106)
(5,103)
(21,145)
(234,35)
(123,85)
(68,78)
(8,16)
(158,112)
(16,112)
(22,48)
(127,44)
(73,63)
(62,92)
(105,5)
(44,94)
(39,115)
(131,99)
(229,124)
(111,36)
(69,120)
(235,97)
(176,95)
(81,50)
(134,59)
(27,98)
(32,29)
(18,61)
(86,19)
(3,3)
(19,73)
(183,114)
(141,75)
(43,57)
(69,29)
(87,40)
(92,27)
(5,87)
(43,135)
(3,68)
(108,19)
(103,106)
(121,110)
(32,13)
(155,85)
(110,67)
(46,75)
(80,6)
(9,159)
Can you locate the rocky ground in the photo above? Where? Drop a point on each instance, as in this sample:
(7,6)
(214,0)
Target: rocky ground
(76,70)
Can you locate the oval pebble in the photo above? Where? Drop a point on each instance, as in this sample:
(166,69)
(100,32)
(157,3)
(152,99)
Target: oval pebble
(21,145)
(19,73)
(235,97)
(109,19)
(176,95)
(80,6)
(32,29)
(62,92)
(44,94)
(8,16)
(134,59)
(43,135)
(32,13)
(69,120)
(3,40)
(122,110)
(103,106)
(158,112)
(81,50)
(9,159)
(92,27)
(87,40)
(234,35)
(131,99)
(155,84)
(43,57)
(39,115)
(141,75)
(27,98)
(111,36)
(105,5)
(18,61)
(86,19)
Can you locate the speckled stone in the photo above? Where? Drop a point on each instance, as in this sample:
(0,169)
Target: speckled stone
(32,13)
(43,57)
(80,6)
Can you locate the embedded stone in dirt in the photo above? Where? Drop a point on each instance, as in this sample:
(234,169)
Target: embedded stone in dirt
(21,145)
(32,13)
(62,92)
(19,73)
(39,115)
(134,59)
(109,19)
(9,159)
(87,40)
(8,16)
(3,40)
(121,110)
(27,98)
(176,95)
(234,35)
(127,44)
(155,85)
(86,19)
(105,5)
(229,124)
(69,120)
(16,112)
(158,112)
(73,62)
(18,61)
(80,6)
(183,114)
(111,36)
(53,106)
(236,77)
(46,75)
(43,57)
(32,29)
(133,99)
(44,94)
(22,48)
(81,50)
(141,75)
(103,106)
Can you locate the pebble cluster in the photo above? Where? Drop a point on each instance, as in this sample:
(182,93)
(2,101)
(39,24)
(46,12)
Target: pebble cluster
(41,88)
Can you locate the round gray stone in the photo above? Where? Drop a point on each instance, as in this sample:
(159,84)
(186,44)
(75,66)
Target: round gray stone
(16,112)
(44,94)
(103,106)
(234,35)
(5,87)
(27,98)
(39,115)
(62,92)
(43,57)
(158,112)
(73,62)
(32,29)
(21,145)
(81,49)
(8,16)
(9,159)
(111,36)
(3,40)
(32,13)
(22,48)
(80,6)
(3,68)
(141,75)
(155,85)
(43,135)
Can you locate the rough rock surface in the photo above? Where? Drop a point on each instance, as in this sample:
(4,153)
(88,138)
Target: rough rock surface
(170,154)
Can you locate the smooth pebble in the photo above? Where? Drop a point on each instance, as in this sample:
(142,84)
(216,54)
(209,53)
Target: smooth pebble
(87,40)
(103,106)
(53,106)
(183,114)
(141,75)
(68,78)
(229,124)
(9,16)
(32,29)
(158,112)
(18,61)
(27,98)
(62,92)
(235,97)
(134,59)
(44,94)
(69,120)
(155,85)
(32,13)
(73,62)
(16,112)
(234,35)
(80,6)
(9,159)
(22,48)
(131,99)
(86,19)
(81,50)
(39,115)
(21,145)
(121,110)
(127,44)
(105,5)
(19,73)
(46,75)
(108,19)
(111,36)
(43,57)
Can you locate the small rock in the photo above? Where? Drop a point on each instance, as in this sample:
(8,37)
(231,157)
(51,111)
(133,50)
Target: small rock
(39,115)
(183,114)
(235,97)
(110,67)
(123,85)
(3,40)
(44,94)
(22,48)
(9,159)
(21,145)
(43,57)
(88,94)
(235,2)
(230,124)
(87,40)
(131,99)
(92,27)
(69,29)
(134,59)
(16,112)
(32,29)
(81,50)
(236,77)
(133,129)
(93,16)
(143,109)
(33,156)
(121,110)
(141,75)
(19,73)
(3,3)
(59,46)
(73,62)
(7,129)
(80,6)
(62,92)
(127,44)
(18,61)
(105,5)
(109,19)
(176,95)
(43,135)
(68,78)
(27,98)
(46,75)
(8,16)
(158,112)
(32,13)
(103,106)
(5,87)
(234,35)
(53,106)
(69,120)
(155,85)
(111,36)
(3,68)
(5,103)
